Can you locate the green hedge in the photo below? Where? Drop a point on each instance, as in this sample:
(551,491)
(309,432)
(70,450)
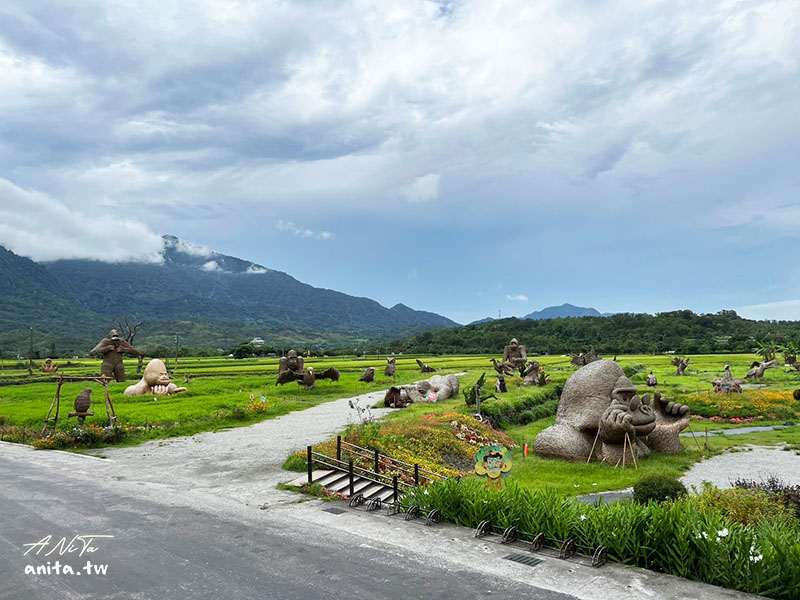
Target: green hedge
(531,405)
(672,538)
(657,488)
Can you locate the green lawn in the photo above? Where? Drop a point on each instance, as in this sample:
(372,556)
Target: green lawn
(218,399)
(573,478)
(214,399)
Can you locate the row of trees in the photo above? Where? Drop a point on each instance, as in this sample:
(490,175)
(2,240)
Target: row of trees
(683,332)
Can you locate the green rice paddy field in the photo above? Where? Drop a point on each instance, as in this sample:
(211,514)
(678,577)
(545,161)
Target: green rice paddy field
(220,388)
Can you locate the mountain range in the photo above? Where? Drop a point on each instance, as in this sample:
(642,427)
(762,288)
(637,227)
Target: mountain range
(564,311)
(556,312)
(205,296)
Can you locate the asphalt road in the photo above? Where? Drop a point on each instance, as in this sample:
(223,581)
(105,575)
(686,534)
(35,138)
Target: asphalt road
(164,550)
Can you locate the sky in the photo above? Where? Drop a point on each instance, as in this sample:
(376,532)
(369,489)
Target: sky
(469,158)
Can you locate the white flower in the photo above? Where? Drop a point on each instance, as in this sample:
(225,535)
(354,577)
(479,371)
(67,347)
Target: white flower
(426,491)
(756,558)
(583,517)
(575,484)
(723,533)
(594,484)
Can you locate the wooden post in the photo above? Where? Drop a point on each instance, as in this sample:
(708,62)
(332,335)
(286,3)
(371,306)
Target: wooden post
(591,452)
(377,463)
(624,449)
(416,474)
(52,404)
(310,460)
(58,405)
(338,447)
(394,489)
(352,483)
(633,454)
(110,412)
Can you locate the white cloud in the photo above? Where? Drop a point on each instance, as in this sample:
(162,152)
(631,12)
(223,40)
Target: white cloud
(423,189)
(256,270)
(303,232)
(40,227)
(187,247)
(553,107)
(211,265)
(516,297)
(784,310)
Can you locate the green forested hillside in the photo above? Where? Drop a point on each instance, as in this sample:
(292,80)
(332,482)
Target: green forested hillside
(31,297)
(190,285)
(210,300)
(680,331)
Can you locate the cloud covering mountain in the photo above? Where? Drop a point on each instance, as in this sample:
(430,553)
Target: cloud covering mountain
(328,141)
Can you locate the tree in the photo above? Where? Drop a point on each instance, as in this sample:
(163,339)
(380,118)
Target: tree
(790,350)
(128,329)
(244,351)
(767,350)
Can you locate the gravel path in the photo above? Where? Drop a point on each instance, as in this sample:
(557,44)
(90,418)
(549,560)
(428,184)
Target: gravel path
(756,463)
(242,463)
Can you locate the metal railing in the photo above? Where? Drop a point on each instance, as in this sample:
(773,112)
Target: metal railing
(413,470)
(417,475)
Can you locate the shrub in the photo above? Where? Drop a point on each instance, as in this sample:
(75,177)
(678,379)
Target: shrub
(789,495)
(632,370)
(296,461)
(658,488)
(745,506)
(534,404)
(672,537)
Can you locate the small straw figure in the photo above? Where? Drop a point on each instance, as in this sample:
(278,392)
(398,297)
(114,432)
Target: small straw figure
(83,402)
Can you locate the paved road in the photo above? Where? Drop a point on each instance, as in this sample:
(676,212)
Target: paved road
(173,552)
(200,517)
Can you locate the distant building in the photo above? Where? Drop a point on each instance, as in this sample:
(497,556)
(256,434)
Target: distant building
(257,341)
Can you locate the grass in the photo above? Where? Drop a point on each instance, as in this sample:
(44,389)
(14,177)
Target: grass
(211,402)
(214,399)
(574,478)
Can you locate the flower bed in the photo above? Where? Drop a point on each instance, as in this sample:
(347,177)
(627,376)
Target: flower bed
(441,443)
(749,404)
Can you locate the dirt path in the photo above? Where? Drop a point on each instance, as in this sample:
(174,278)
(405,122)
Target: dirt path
(242,463)
(756,463)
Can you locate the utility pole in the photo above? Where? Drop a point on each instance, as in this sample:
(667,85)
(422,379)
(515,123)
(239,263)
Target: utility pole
(499,313)
(30,355)
(176,351)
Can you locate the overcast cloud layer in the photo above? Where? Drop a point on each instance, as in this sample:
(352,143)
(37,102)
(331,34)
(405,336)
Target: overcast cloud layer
(463,157)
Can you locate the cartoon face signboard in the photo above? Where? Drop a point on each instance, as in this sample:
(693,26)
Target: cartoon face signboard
(493,462)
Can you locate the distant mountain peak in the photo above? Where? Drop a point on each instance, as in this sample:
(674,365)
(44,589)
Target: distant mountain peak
(176,244)
(479,321)
(563,311)
(187,254)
